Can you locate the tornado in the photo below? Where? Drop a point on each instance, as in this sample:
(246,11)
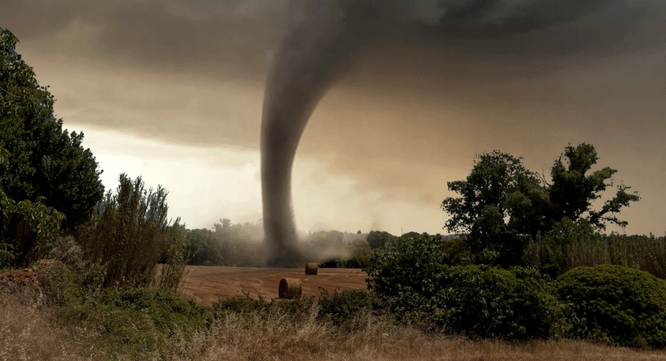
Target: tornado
(322,48)
(315,53)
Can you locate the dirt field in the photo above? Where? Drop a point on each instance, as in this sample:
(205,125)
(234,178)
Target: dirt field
(206,283)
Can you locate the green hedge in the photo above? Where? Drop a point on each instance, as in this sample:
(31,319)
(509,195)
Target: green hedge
(615,305)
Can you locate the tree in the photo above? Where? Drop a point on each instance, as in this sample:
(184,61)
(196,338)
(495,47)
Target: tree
(503,205)
(498,188)
(44,160)
(572,191)
(26,227)
(378,239)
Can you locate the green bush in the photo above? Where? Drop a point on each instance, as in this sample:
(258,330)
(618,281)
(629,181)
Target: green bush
(481,301)
(134,320)
(26,228)
(56,281)
(412,264)
(615,305)
(421,287)
(347,309)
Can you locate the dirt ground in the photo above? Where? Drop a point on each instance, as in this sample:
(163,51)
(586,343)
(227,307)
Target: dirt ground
(206,284)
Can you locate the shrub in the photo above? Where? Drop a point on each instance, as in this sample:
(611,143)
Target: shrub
(129,232)
(415,275)
(6,254)
(295,310)
(412,264)
(26,227)
(482,301)
(347,309)
(615,305)
(56,282)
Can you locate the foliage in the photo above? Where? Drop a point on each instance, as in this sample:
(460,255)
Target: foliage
(572,191)
(129,232)
(44,162)
(498,187)
(378,239)
(421,286)
(615,305)
(204,247)
(503,205)
(410,264)
(136,319)
(481,301)
(576,244)
(26,227)
(6,254)
(174,259)
(293,310)
(349,310)
(144,318)
(229,245)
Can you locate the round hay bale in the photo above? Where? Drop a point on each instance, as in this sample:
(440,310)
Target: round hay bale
(290,288)
(311,268)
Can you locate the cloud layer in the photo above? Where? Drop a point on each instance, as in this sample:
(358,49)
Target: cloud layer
(445,80)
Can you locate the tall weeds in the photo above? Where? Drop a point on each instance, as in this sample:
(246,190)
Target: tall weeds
(645,253)
(130,233)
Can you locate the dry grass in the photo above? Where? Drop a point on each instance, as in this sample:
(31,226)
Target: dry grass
(31,332)
(279,339)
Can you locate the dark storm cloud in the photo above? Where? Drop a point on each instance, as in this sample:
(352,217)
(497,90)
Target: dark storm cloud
(222,36)
(239,37)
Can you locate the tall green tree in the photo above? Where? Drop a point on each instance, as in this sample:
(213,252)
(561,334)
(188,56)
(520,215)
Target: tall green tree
(502,204)
(574,188)
(496,207)
(43,159)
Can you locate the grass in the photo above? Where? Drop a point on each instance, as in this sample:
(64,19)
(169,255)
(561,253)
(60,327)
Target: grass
(32,330)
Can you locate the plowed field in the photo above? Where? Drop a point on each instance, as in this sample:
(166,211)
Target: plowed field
(206,284)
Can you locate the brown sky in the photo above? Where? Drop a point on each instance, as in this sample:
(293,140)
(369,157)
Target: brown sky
(187,78)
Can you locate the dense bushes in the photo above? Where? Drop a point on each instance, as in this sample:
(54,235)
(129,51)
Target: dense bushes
(482,301)
(414,273)
(349,309)
(615,305)
(412,264)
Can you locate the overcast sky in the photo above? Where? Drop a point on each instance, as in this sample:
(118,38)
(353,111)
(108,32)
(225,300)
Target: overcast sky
(173,91)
